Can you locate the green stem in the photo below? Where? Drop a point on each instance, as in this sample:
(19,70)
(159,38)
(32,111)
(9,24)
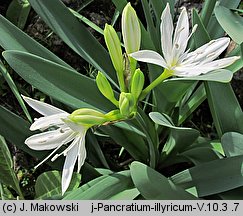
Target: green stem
(121,81)
(166,73)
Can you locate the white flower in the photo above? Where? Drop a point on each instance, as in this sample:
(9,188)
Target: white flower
(60,132)
(176,60)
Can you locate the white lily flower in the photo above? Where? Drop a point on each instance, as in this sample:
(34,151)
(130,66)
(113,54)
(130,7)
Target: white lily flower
(63,132)
(176,60)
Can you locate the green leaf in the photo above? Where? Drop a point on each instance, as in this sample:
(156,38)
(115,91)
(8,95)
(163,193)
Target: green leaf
(199,155)
(12,38)
(225,108)
(116,185)
(190,105)
(48,184)
(207,11)
(232,144)
(231,22)
(212,177)
(220,75)
(7,175)
(201,35)
(154,186)
(18,12)
(51,78)
(74,34)
(14,89)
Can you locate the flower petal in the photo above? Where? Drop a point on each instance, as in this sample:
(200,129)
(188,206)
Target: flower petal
(47,140)
(69,164)
(181,34)
(208,52)
(43,123)
(166,29)
(41,107)
(76,127)
(81,153)
(149,56)
(187,71)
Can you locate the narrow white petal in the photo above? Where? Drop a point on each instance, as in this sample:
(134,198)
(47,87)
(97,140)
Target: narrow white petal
(76,127)
(166,29)
(41,107)
(186,71)
(208,52)
(69,165)
(181,34)
(43,123)
(81,153)
(47,140)
(149,56)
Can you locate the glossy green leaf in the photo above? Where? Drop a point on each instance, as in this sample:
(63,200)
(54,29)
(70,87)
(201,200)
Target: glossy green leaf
(48,184)
(231,22)
(14,89)
(192,103)
(154,186)
(7,175)
(74,34)
(207,10)
(201,155)
(51,78)
(225,108)
(201,35)
(18,12)
(131,141)
(212,177)
(12,38)
(105,187)
(220,75)
(232,144)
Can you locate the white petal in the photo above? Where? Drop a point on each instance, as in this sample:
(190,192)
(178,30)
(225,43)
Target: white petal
(81,153)
(41,107)
(43,123)
(149,56)
(181,34)
(69,165)
(186,71)
(166,29)
(77,127)
(208,52)
(47,140)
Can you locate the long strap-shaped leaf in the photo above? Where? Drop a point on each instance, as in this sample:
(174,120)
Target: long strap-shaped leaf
(74,34)
(57,81)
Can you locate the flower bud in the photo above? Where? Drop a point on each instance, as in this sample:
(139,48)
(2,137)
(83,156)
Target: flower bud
(137,83)
(114,115)
(87,117)
(105,88)
(127,104)
(130,29)
(114,46)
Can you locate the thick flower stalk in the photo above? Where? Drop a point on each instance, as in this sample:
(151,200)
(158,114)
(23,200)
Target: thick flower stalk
(58,129)
(176,60)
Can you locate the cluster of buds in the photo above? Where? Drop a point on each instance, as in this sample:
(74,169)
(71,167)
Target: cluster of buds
(130,79)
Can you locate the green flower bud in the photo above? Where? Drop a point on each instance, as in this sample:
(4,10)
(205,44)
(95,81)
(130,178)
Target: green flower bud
(131,31)
(105,88)
(114,115)
(127,104)
(137,83)
(114,46)
(87,117)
